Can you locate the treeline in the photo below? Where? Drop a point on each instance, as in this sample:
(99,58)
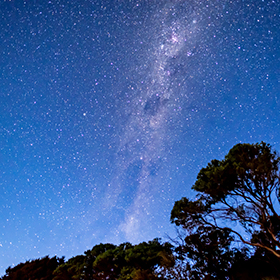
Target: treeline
(103,261)
(230,230)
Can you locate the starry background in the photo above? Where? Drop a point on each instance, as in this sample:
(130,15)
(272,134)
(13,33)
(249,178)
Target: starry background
(110,108)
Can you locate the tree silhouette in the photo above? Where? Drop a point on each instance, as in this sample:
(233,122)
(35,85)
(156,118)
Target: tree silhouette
(123,262)
(244,189)
(33,270)
(237,200)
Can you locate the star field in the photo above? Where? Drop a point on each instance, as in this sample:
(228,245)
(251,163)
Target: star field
(110,108)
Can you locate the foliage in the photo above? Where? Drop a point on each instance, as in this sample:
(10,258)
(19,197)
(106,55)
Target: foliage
(123,262)
(32,270)
(103,261)
(72,269)
(256,268)
(237,199)
(209,250)
(243,188)
(205,254)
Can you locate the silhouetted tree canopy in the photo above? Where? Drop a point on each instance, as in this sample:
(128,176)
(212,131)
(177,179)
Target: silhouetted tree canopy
(244,189)
(237,199)
(34,270)
(103,261)
(123,262)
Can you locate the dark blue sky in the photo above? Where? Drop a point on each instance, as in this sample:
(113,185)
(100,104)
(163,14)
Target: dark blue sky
(110,108)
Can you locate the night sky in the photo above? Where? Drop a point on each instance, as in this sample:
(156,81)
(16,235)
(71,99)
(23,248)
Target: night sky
(109,109)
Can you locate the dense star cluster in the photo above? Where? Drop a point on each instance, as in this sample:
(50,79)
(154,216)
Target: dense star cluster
(110,108)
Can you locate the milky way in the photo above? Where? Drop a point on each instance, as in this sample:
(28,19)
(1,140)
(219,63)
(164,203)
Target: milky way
(144,142)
